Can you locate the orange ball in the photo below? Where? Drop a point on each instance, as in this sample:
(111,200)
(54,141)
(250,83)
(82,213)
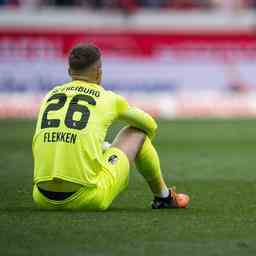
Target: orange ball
(182,200)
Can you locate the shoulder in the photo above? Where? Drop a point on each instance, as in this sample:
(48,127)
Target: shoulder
(56,89)
(116,97)
(120,102)
(112,94)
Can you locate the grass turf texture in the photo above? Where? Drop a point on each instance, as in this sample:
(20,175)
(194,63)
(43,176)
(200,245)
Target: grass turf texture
(213,160)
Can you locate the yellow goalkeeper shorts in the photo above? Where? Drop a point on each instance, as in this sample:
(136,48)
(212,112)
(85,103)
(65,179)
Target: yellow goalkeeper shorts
(112,181)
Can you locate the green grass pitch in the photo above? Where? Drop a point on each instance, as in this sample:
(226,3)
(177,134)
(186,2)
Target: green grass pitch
(212,160)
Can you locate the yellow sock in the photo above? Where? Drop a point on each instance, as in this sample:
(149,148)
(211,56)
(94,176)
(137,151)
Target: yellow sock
(148,164)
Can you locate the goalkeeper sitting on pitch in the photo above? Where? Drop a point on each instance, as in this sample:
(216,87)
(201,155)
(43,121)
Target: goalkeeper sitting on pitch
(72,170)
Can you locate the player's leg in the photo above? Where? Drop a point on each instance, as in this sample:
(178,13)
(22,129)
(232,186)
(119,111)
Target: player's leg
(114,179)
(139,150)
(129,140)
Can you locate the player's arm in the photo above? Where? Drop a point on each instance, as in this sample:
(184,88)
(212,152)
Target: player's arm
(140,119)
(137,118)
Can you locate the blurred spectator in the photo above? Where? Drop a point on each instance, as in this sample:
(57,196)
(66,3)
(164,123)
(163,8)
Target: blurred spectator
(2,2)
(230,5)
(65,2)
(153,3)
(9,2)
(251,3)
(130,6)
(190,4)
(29,4)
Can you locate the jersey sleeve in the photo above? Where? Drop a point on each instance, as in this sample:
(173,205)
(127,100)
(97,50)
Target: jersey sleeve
(121,105)
(140,119)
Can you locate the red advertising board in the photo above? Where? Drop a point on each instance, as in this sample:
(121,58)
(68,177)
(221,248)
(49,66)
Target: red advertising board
(127,43)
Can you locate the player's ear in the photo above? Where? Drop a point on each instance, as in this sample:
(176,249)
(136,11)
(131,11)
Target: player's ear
(98,72)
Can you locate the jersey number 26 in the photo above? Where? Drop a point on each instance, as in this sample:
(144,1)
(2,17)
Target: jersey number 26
(73,107)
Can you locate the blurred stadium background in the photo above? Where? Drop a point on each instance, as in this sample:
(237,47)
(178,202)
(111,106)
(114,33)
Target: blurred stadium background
(173,58)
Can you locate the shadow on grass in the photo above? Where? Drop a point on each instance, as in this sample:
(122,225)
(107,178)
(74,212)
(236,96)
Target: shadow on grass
(121,210)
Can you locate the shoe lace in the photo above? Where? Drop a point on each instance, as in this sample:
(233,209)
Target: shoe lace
(173,193)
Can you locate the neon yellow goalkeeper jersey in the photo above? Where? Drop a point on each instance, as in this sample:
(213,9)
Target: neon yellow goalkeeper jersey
(72,124)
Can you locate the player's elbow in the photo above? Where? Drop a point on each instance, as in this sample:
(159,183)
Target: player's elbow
(152,129)
(154,126)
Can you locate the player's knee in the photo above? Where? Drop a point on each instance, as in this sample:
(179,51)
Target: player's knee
(133,130)
(130,140)
(130,136)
